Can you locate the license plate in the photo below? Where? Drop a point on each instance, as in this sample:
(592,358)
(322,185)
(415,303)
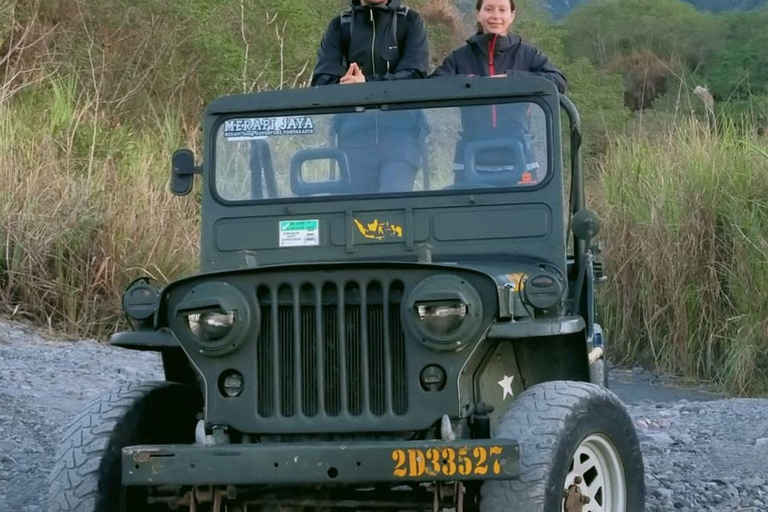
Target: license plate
(448,461)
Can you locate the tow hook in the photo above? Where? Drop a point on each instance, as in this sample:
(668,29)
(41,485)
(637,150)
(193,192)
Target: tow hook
(574,499)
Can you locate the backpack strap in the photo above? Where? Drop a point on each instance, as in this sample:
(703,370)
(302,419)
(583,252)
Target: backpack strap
(398,29)
(346,35)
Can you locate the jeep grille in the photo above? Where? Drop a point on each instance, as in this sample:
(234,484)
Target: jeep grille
(331,349)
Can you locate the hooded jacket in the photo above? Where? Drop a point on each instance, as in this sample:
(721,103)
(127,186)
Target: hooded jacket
(491,54)
(373,45)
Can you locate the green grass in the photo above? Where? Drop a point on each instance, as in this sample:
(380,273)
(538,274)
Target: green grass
(687,251)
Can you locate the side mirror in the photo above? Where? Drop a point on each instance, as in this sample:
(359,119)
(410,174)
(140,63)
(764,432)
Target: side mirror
(183,172)
(585,225)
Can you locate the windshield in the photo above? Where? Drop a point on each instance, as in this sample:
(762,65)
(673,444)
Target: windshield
(381,152)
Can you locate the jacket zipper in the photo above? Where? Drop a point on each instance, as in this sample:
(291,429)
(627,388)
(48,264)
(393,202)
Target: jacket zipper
(373,42)
(492,70)
(373,63)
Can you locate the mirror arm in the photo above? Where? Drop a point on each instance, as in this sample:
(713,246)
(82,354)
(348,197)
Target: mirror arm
(580,279)
(585,226)
(577,199)
(198,169)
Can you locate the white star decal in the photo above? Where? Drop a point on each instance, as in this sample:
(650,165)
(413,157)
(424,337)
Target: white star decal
(506,385)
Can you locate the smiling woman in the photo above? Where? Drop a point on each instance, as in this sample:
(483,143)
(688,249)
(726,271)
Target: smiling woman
(493,51)
(495,16)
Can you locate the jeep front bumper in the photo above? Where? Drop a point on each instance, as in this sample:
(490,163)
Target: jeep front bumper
(320,463)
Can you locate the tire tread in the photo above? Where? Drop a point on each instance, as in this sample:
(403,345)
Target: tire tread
(538,418)
(74,480)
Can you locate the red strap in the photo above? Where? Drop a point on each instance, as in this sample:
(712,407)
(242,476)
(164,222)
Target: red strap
(491,49)
(492,69)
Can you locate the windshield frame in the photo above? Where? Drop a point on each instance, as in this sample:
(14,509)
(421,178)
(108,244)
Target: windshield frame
(220,119)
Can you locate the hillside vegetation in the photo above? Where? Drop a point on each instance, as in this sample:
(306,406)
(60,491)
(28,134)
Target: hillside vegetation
(560,8)
(96,94)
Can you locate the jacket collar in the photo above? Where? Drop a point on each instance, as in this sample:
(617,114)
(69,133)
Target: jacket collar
(503,43)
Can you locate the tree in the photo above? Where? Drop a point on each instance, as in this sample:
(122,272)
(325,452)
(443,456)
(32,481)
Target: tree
(739,67)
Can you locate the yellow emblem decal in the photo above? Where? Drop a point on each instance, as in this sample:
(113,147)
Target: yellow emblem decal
(376,230)
(517,281)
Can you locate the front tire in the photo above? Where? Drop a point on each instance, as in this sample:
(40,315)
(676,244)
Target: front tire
(87,472)
(576,439)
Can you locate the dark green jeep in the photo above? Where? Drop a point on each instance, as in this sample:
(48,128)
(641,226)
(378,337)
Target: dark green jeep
(388,316)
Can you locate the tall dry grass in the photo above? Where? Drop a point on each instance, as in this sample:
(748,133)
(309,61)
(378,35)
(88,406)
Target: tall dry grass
(85,208)
(686,246)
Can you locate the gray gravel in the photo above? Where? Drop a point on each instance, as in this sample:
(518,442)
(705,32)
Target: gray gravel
(702,452)
(43,383)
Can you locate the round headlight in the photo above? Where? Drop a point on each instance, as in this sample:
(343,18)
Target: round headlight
(444,311)
(442,317)
(216,317)
(211,326)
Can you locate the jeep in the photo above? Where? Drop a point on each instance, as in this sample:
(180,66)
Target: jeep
(395,310)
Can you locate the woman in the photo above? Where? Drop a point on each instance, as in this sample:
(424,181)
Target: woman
(494,52)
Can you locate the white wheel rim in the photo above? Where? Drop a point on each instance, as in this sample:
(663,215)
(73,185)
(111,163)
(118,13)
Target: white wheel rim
(598,464)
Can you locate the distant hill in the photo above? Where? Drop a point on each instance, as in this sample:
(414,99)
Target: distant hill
(560,8)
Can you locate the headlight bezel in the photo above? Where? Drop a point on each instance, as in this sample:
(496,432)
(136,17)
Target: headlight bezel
(444,291)
(216,298)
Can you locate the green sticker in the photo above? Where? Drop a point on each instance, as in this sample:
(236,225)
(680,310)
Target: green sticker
(299,233)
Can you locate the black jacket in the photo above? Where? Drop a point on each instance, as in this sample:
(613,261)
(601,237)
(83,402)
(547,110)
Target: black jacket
(510,54)
(508,123)
(373,45)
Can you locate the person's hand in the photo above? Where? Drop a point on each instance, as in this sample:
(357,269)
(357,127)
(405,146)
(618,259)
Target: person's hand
(346,79)
(354,75)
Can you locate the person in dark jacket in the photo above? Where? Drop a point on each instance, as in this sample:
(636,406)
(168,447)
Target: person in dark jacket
(494,52)
(376,40)
(373,40)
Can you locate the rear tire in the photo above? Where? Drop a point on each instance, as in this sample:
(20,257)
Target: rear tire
(569,429)
(87,472)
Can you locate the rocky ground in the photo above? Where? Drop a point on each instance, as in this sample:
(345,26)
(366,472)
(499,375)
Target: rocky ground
(703,452)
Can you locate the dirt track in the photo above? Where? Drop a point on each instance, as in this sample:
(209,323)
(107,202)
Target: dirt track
(702,452)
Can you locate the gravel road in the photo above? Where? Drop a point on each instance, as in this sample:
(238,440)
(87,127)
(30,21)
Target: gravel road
(703,452)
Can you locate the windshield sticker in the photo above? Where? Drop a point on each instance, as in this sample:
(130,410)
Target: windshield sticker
(299,233)
(260,127)
(379,230)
